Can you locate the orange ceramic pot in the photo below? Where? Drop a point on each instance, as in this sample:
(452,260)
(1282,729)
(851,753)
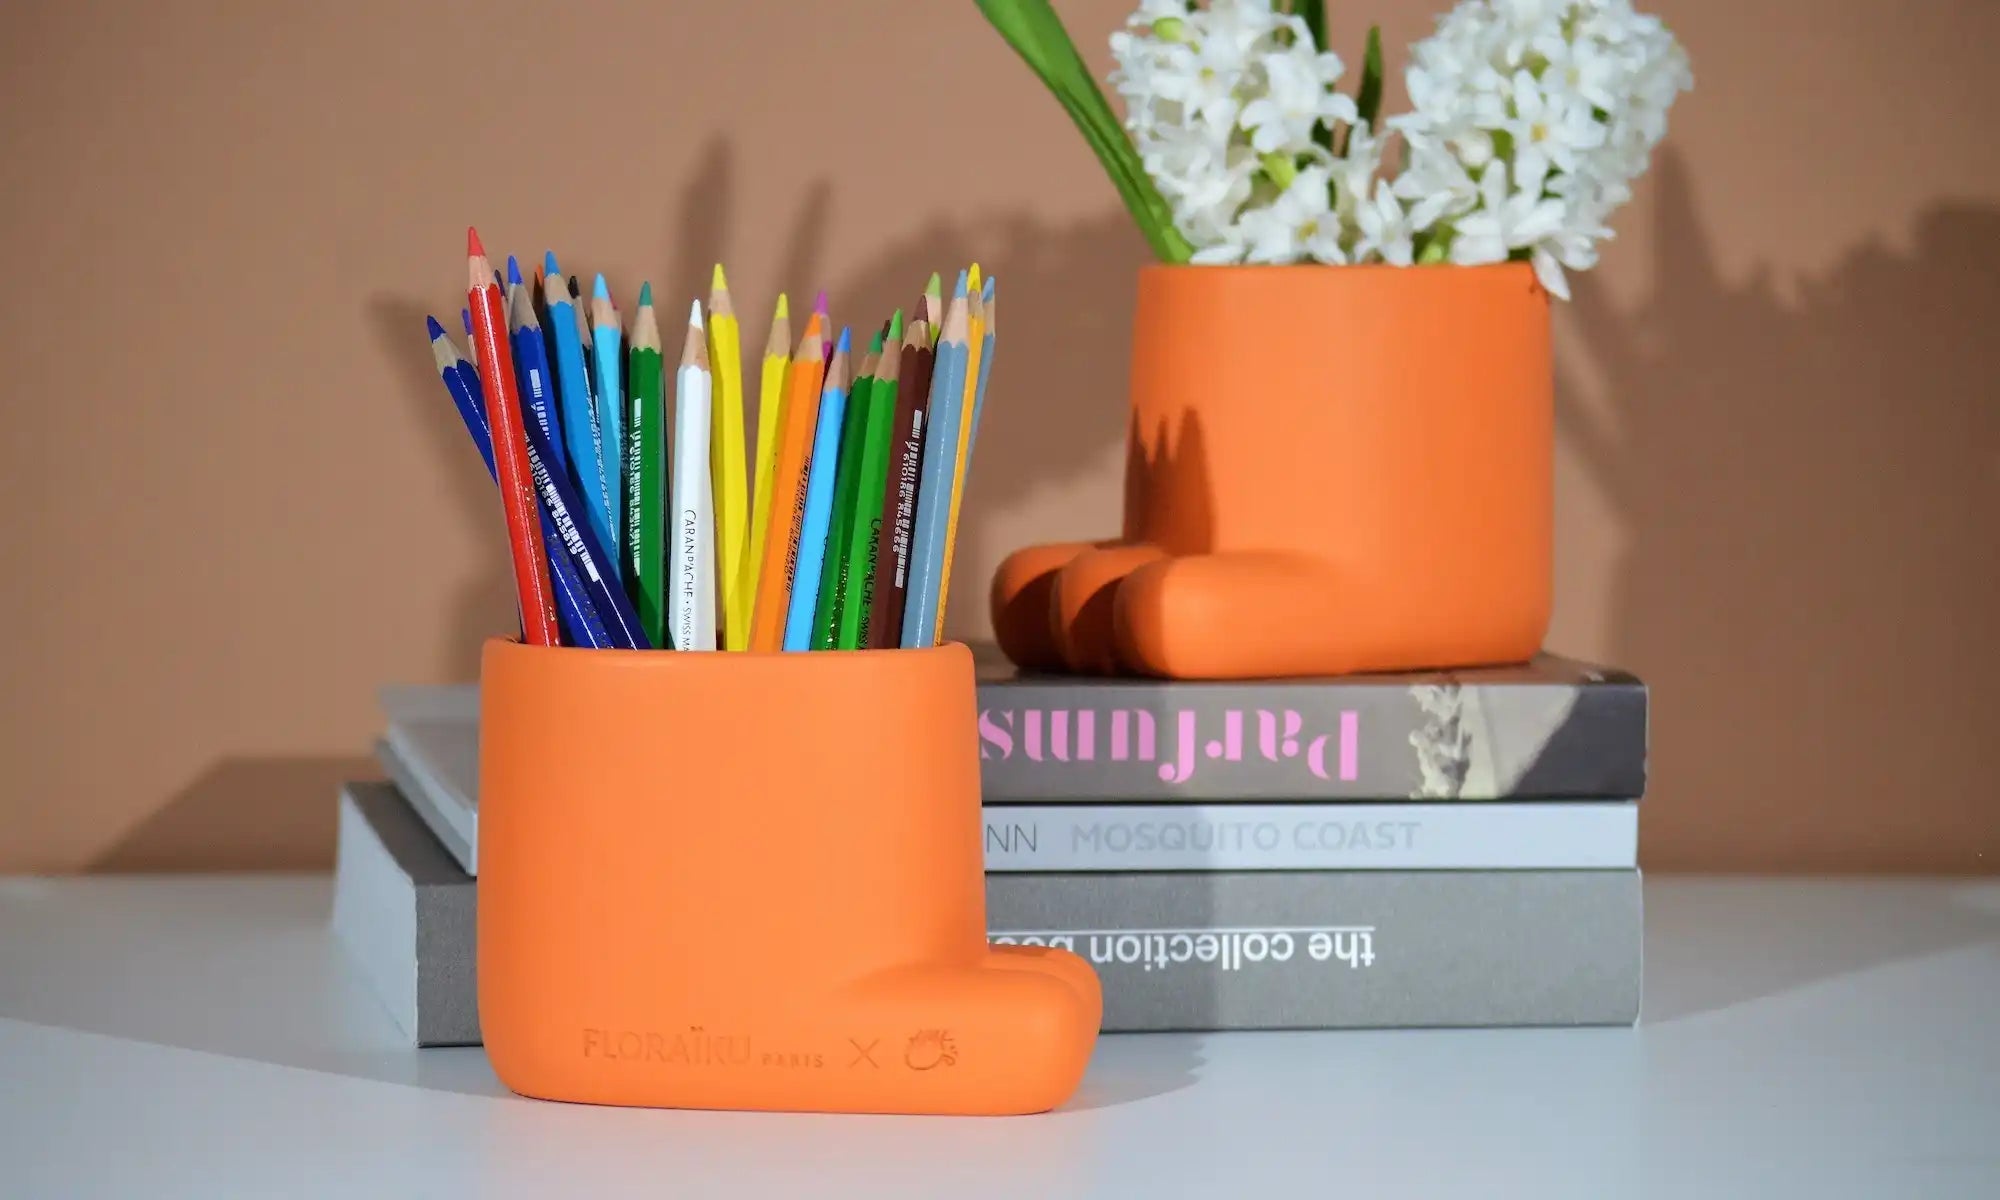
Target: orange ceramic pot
(753,881)
(1330,470)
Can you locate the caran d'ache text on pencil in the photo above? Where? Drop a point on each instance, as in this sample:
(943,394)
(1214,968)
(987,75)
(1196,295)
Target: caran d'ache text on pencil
(906,495)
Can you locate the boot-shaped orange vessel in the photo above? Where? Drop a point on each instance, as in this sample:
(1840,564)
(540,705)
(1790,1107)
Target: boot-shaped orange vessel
(1330,470)
(753,881)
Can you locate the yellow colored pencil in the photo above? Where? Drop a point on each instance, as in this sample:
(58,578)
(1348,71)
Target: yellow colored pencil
(770,419)
(727,465)
(976,334)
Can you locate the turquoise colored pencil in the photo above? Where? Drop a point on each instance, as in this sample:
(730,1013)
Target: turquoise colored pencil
(608,345)
(940,459)
(821,475)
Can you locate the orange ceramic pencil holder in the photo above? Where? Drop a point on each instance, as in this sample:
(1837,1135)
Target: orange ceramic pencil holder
(1329,470)
(753,881)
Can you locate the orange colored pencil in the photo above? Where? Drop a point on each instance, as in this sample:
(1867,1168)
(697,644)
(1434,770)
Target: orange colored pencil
(780,552)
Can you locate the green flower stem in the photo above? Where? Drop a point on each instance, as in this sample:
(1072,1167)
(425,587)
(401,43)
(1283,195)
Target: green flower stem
(1032,28)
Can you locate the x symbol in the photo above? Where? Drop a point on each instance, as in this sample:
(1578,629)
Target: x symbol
(864,1053)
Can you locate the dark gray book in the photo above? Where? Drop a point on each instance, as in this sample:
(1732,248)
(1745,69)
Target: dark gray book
(1553,728)
(1174,950)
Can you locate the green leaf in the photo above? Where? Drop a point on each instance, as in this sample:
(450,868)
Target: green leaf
(1313,12)
(1369,101)
(1032,28)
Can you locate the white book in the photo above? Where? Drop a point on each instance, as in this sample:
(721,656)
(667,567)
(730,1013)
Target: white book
(1572,835)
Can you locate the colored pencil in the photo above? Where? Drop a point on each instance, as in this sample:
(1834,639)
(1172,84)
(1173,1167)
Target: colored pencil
(574,396)
(692,585)
(816,540)
(607,344)
(728,464)
(934,306)
(940,453)
(645,473)
(510,450)
(975,346)
(594,486)
(903,477)
(825,329)
(862,553)
(531,363)
(831,579)
(581,625)
(990,302)
(770,420)
(788,486)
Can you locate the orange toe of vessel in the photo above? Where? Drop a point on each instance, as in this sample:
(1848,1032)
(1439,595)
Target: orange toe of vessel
(1023,589)
(1081,604)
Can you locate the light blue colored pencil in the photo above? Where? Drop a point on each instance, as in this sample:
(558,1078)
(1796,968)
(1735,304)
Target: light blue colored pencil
(940,461)
(819,500)
(573,395)
(607,344)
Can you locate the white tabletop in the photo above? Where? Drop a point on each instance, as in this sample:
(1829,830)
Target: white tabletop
(204,1037)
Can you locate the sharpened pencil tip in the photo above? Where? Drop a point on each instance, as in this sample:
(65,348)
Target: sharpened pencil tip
(473,247)
(972,278)
(784,308)
(935,287)
(513,270)
(599,291)
(646,294)
(987,294)
(819,303)
(718,281)
(895,328)
(959,290)
(845,340)
(549,267)
(465,315)
(437,330)
(875,343)
(694,314)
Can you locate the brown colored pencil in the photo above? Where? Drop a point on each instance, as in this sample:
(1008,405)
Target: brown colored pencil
(899,497)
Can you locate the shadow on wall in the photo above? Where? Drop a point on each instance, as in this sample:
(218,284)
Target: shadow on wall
(243,813)
(1809,489)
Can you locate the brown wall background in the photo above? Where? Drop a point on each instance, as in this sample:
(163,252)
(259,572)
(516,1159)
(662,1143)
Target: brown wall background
(240,501)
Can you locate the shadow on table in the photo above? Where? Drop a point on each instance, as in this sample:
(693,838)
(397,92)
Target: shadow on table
(264,980)
(1715,943)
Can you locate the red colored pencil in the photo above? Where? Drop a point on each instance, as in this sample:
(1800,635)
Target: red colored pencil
(510,450)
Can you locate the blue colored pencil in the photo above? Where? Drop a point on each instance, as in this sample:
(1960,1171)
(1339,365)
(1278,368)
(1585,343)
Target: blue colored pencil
(574,396)
(819,501)
(560,501)
(581,623)
(607,344)
(940,462)
(531,364)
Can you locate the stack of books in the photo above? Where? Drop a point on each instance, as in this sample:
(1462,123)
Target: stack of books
(1444,849)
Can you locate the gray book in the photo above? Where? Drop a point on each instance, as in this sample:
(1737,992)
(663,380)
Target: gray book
(1340,949)
(1174,950)
(1552,728)
(405,912)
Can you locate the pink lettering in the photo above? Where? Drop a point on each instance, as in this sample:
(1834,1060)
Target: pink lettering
(996,735)
(1122,722)
(1350,744)
(1031,734)
(1086,735)
(1230,748)
(1179,770)
(1059,735)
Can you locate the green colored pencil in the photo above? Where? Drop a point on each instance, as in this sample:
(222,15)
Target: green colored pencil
(645,473)
(833,570)
(864,524)
(933,308)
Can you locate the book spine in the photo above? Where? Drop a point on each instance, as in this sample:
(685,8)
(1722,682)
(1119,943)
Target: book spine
(1318,950)
(1281,837)
(1436,740)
